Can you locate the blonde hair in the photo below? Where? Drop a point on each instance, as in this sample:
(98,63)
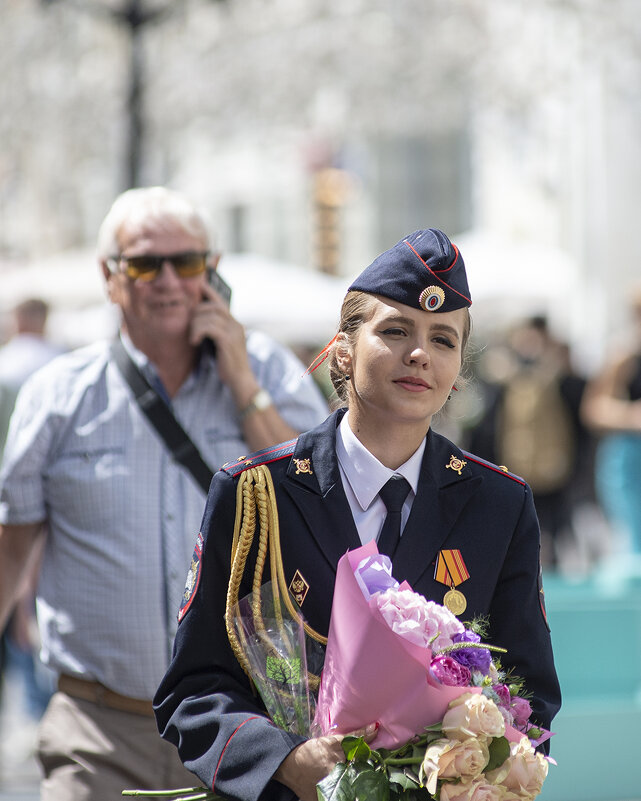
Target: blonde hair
(358,307)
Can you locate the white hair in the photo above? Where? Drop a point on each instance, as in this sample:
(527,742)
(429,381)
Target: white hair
(154,204)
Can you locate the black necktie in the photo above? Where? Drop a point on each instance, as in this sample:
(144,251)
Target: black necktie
(393,494)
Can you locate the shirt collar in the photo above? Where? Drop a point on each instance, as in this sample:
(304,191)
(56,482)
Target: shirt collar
(365,474)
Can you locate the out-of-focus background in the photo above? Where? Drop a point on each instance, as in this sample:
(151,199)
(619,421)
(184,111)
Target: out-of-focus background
(317,134)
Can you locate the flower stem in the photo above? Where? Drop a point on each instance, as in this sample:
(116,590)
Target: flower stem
(162,793)
(403,760)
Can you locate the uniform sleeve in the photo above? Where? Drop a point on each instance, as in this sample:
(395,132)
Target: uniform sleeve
(518,621)
(205,705)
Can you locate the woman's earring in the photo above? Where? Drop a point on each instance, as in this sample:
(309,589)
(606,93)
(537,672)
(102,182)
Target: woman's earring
(347,376)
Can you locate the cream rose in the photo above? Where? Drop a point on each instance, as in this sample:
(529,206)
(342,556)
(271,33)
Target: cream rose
(454,759)
(471,715)
(526,772)
(472,791)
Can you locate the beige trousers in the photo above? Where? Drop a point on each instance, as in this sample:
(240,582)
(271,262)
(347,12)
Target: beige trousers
(91,753)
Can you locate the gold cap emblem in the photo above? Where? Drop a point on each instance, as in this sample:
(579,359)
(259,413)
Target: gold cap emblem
(432,298)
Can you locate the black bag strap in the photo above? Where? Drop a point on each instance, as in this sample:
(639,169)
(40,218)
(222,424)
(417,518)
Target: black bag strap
(161,417)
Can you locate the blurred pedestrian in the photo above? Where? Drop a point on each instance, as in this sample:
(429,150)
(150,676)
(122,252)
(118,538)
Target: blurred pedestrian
(27,349)
(532,426)
(612,408)
(111,447)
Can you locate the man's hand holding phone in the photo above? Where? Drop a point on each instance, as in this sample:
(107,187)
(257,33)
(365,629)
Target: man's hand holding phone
(213,320)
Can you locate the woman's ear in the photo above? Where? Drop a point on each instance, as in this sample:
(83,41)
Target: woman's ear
(343,355)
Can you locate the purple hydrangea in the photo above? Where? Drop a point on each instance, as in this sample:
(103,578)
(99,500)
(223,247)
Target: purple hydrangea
(473,658)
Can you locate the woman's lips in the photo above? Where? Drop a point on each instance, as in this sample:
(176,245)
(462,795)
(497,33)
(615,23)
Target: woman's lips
(412,383)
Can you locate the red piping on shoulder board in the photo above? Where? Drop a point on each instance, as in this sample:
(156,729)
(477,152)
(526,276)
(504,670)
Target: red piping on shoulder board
(491,466)
(222,754)
(282,450)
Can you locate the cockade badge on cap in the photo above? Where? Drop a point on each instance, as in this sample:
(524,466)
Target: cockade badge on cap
(432,298)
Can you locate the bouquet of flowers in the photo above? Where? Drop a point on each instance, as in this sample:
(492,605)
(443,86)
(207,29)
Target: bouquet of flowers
(452,725)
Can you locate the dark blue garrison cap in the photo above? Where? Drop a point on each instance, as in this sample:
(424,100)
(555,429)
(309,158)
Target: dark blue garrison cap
(424,270)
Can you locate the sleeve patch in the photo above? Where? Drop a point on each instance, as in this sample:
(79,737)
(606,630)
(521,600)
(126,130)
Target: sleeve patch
(193,578)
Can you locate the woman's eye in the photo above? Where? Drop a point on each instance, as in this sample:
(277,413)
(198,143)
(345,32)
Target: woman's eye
(393,332)
(441,340)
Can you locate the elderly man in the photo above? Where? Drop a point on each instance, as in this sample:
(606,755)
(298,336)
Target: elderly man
(87,458)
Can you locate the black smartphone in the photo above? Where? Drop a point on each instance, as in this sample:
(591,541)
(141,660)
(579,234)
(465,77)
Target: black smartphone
(224,290)
(219,284)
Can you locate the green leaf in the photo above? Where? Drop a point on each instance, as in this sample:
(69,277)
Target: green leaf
(356,748)
(337,785)
(499,752)
(371,785)
(404,779)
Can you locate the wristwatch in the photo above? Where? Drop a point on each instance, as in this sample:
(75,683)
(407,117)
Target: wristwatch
(261,400)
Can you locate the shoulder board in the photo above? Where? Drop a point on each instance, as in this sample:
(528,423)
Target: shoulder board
(496,468)
(265,456)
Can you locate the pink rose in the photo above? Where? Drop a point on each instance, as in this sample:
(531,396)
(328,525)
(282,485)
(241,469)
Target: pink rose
(473,791)
(471,715)
(521,711)
(503,693)
(450,672)
(523,772)
(454,759)
(422,622)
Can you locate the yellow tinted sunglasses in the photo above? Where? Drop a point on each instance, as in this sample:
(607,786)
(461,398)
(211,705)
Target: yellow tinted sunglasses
(148,267)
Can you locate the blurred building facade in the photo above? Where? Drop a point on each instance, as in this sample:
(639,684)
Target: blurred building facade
(318,133)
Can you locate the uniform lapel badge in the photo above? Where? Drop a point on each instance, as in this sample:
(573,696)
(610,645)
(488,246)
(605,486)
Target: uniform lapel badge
(303,466)
(299,587)
(451,571)
(456,464)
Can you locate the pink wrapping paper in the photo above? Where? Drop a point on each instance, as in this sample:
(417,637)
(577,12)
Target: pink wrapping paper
(371,674)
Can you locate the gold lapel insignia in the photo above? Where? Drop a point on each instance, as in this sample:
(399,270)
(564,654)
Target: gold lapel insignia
(303,466)
(456,464)
(299,587)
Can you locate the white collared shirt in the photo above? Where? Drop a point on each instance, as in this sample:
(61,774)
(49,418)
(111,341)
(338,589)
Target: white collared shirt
(363,476)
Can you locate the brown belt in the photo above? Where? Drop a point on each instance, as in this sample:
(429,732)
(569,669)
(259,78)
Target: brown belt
(99,694)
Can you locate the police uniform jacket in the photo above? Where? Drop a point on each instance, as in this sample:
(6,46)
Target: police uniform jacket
(204,704)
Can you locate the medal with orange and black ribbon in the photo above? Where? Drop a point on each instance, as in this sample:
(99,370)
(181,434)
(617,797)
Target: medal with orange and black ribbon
(451,571)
